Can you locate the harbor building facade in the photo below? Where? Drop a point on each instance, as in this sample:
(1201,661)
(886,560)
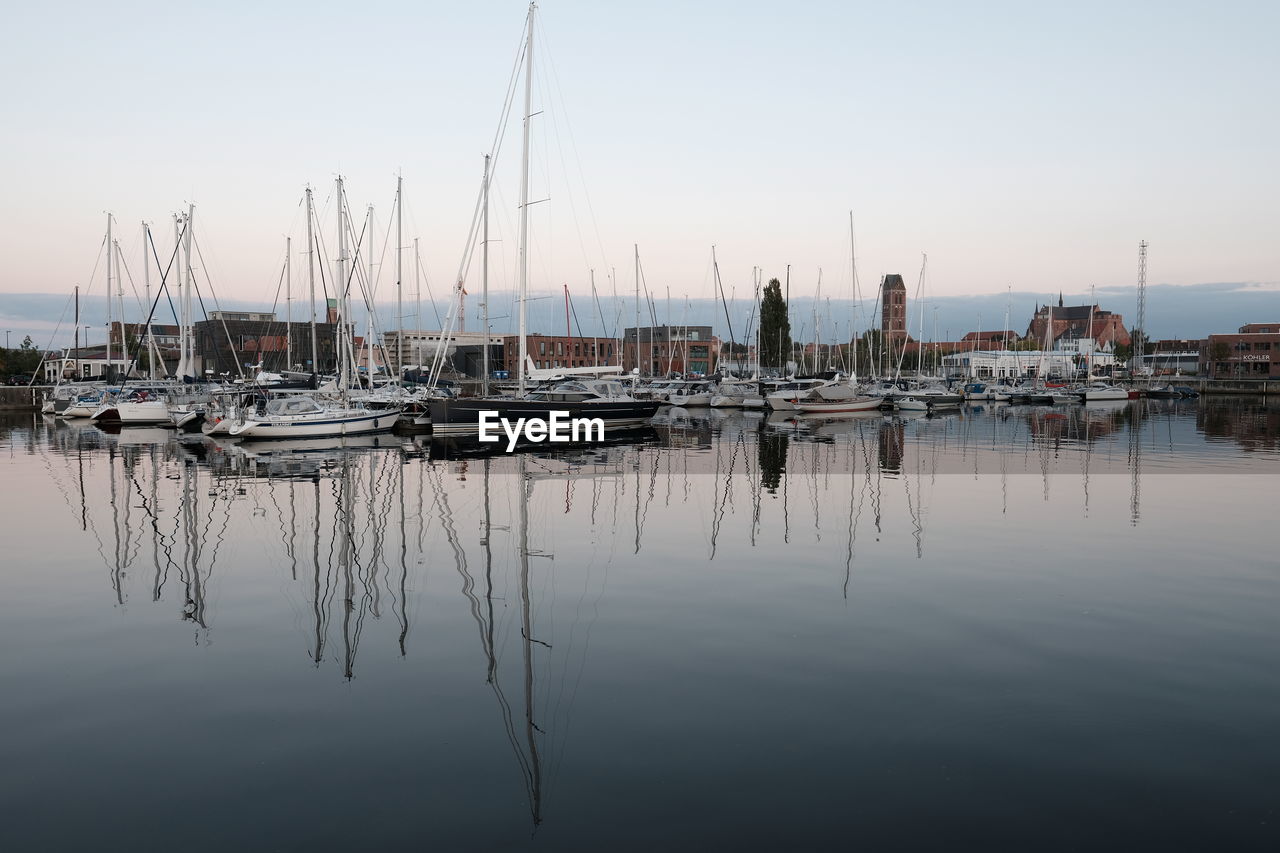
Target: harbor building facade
(664,350)
(1253,352)
(557,351)
(1074,322)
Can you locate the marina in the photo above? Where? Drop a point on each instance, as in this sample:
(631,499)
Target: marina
(554,426)
(1003,610)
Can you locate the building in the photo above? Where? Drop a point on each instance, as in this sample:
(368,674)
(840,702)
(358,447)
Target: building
(1251,353)
(556,351)
(664,350)
(1172,357)
(893,308)
(1014,364)
(88,362)
(991,340)
(1074,322)
(230,340)
(419,347)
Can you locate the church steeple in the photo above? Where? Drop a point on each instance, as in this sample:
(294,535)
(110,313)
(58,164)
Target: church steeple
(1059,298)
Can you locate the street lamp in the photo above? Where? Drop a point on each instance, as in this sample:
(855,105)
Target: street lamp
(7,332)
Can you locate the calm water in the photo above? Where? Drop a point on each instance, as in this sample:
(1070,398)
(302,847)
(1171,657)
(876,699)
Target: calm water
(1008,628)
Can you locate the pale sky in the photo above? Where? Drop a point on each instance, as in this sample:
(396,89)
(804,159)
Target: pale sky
(1023,145)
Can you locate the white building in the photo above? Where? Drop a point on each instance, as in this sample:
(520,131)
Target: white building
(417,347)
(86,363)
(1014,364)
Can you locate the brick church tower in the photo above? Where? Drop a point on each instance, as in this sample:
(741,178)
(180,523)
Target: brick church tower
(893,307)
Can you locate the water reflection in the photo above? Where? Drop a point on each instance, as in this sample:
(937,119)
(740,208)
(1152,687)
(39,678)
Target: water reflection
(351,535)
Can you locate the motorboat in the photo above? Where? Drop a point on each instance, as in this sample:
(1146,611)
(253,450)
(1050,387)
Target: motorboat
(692,395)
(1102,391)
(733,393)
(605,399)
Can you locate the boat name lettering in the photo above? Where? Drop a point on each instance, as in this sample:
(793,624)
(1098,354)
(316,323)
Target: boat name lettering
(558,428)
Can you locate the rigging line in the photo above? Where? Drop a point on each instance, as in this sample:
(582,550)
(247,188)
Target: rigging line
(547,58)
(204,268)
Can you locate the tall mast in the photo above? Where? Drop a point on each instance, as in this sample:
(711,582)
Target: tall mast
(637,253)
(110,250)
(146,282)
(399,278)
(524,201)
(340,285)
(853,315)
(417,295)
(288,303)
(76,361)
(191,348)
(181,370)
(311,281)
(124,347)
(368,338)
(484,287)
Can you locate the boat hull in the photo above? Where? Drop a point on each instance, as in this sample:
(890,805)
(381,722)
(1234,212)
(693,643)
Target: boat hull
(860,404)
(462,416)
(147,412)
(325,426)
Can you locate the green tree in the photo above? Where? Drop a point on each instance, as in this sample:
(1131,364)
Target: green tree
(25,359)
(1123,353)
(775,327)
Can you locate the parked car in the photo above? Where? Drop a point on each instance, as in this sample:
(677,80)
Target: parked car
(20,379)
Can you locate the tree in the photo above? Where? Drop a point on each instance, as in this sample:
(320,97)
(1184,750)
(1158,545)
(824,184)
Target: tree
(23,360)
(775,327)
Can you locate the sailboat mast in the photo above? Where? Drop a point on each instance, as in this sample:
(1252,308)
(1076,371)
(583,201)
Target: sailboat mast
(524,202)
(368,338)
(340,286)
(288,303)
(853,315)
(636,246)
(110,250)
(146,283)
(399,278)
(182,306)
(311,281)
(191,344)
(484,285)
(75,364)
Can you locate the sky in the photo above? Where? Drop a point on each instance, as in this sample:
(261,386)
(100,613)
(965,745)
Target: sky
(1020,146)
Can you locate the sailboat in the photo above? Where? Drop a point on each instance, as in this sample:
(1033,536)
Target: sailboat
(304,416)
(599,398)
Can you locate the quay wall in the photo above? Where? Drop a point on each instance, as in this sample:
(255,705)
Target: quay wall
(21,397)
(1259,387)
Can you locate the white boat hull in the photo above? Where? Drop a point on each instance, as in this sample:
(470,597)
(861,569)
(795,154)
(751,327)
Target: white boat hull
(321,426)
(144,412)
(1094,396)
(857,404)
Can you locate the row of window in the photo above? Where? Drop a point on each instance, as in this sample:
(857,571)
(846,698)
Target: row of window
(579,349)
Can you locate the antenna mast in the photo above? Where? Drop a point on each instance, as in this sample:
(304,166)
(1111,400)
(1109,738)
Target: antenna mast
(1140,330)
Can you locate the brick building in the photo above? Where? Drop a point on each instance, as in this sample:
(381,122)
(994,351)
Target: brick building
(229,339)
(1073,323)
(554,351)
(1251,353)
(663,350)
(893,308)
